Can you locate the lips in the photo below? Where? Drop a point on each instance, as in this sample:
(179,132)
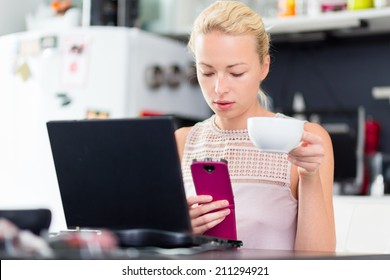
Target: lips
(223,104)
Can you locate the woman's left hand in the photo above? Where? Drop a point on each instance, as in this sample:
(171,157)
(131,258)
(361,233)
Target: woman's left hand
(309,154)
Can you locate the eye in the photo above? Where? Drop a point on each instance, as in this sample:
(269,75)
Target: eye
(236,74)
(207,74)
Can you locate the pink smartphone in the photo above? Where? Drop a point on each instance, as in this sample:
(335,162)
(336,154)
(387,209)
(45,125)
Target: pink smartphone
(212,178)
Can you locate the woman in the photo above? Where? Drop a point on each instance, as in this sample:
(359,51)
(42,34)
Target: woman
(287,205)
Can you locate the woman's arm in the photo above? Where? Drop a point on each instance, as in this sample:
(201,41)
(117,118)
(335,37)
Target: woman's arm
(181,137)
(315,167)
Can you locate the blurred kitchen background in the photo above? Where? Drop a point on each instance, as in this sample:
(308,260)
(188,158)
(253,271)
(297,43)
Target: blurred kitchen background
(127,58)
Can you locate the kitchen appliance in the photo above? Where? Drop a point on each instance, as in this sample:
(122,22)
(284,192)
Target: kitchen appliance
(110,12)
(98,72)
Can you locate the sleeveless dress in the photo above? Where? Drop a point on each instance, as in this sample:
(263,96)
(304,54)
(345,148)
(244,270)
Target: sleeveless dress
(266,211)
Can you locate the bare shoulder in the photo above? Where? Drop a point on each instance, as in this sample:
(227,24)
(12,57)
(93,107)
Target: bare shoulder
(181,134)
(181,137)
(319,130)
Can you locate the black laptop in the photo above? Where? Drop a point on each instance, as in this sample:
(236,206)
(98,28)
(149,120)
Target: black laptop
(124,175)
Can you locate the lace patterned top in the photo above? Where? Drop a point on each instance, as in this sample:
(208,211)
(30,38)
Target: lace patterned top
(266,211)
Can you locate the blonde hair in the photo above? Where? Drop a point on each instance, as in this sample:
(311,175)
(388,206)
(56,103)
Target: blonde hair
(234,18)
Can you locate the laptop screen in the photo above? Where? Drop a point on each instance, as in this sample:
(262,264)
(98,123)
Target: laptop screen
(119,173)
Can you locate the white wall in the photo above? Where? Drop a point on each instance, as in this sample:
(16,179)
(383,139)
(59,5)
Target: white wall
(13,12)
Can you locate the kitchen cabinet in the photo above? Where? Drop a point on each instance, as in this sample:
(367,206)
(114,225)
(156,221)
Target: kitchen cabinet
(340,23)
(368,20)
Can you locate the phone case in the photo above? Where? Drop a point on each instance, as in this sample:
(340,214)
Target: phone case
(212,178)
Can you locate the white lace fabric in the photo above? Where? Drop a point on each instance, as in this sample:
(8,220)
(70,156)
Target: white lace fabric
(265,209)
(245,162)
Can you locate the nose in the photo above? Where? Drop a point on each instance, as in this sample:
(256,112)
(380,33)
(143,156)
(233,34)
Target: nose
(221,84)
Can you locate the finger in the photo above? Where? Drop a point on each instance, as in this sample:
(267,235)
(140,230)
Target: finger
(305,164)
(311,138)
(207,207)
(210,217)
(198,199)
(310,163)
(307,151)
(209,220)
(308,169)
(306,160)
(308,166)
(203,228)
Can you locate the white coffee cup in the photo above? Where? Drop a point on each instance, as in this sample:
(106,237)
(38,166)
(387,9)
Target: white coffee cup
(275,134)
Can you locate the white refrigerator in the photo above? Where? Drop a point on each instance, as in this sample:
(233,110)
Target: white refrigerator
(113,72)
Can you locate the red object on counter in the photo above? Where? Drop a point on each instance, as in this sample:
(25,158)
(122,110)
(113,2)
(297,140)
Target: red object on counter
(372,137)
(371,146)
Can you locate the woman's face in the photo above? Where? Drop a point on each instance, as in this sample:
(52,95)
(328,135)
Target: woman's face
(229,73)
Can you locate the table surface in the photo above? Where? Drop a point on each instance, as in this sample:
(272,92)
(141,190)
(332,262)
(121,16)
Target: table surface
(198,254)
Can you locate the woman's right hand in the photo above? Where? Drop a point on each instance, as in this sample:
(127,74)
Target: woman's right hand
(206,213)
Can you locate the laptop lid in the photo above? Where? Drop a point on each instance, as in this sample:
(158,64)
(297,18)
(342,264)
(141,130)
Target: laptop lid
(119,174)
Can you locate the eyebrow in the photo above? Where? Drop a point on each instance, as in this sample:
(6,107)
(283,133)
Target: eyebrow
(229,66)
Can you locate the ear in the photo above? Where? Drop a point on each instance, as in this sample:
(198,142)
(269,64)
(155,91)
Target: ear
(265,67)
